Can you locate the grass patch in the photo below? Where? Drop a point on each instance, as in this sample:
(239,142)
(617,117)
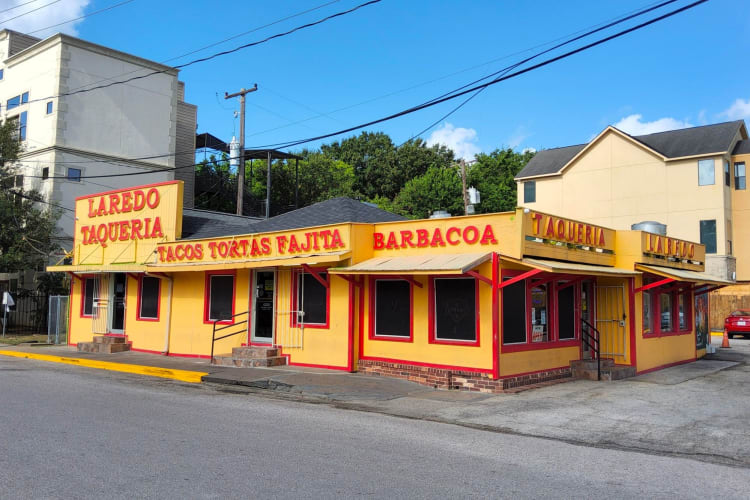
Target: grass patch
(20,339)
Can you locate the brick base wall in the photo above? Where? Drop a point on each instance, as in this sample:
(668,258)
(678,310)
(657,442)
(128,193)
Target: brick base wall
(440,378)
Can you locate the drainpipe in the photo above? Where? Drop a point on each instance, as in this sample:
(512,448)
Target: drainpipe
(165,351)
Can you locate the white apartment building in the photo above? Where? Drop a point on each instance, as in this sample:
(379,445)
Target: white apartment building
(68,136)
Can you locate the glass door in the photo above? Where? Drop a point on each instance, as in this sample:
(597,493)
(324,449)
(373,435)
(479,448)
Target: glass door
(264,287)
(117,294)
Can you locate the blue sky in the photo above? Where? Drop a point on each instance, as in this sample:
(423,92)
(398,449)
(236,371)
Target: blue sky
(688,70)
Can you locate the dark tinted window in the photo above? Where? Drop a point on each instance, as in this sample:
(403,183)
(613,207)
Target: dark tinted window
(221,297)
(566,313)
(74,174)
(88,296)
(739,175)
(529,191)
(392,308)
(312,298)
(455,309)
(149,297)
(49,107)
(514,313)
(708,235)
(13,102)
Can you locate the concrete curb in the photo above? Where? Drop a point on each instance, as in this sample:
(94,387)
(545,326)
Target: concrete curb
(151,371)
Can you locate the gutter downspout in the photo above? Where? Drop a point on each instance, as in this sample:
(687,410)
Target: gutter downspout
(165,351)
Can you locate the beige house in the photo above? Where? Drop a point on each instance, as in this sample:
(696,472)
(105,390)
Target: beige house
(693,180)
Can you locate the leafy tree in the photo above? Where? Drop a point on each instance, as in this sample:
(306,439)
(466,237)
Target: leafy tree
(215,185)
(493,175)
(27,225)
(436,189)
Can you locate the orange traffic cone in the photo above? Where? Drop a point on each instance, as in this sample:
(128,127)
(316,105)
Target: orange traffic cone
(725,340)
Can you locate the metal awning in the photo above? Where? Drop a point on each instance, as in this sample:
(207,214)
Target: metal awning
(296,260)
(553,266)
(417,264)
(98,269)
(684,275)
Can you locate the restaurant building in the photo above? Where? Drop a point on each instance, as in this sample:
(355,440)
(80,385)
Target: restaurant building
(483,302)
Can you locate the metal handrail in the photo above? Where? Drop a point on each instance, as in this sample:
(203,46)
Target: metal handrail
(585,336)
(213,335)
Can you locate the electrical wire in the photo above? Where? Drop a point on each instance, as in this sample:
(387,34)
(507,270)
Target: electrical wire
(29,12)
(82,17)
(17,6)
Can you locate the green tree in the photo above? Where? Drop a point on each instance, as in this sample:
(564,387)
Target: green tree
(215,185)
(27,224)
(436,189)
(493,175)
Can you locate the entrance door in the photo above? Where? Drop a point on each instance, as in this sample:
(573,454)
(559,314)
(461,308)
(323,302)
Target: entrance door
(264,288)
(117,294)
(611,316)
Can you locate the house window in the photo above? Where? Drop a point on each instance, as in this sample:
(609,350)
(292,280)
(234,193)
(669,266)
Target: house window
(647,316)
(514,313)
(90,288)
(13,103)
(727,174)
(539,314)
(708,235)
(149,289)
(24,98)
(74,174)
(45,173)
(392,309)
(2,74)
(22,120)
(49,107)
(219,298)
(566,312)
(454,310)
(312,299)
(529,192)
(739,175)
(706,174)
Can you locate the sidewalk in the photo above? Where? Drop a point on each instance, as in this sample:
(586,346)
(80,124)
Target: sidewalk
(697,410)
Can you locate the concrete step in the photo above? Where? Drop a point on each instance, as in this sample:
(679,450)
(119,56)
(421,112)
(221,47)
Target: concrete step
(228,360)
(108,339)
(255,352)
(586,369)
(107,348)
(590,364)
(618,372)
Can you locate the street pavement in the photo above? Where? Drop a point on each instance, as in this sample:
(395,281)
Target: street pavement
(70,432)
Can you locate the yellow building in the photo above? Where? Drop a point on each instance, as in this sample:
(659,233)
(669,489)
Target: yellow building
(483,302)
(693,180)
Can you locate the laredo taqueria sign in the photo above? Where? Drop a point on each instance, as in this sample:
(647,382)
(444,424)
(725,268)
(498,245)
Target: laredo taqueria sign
(555,237)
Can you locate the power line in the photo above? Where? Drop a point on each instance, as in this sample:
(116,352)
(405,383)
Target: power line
(213,56)
(29,12)
(81,17)
(17,6)
(453,95)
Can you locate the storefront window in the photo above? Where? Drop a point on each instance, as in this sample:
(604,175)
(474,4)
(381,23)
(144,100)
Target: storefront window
(539,314)
(392,308)
(665,307)
(220,297)
(514,313)
(455,309)
(647,316)
(90,286)
(566,312)
(148,298)
(312,299)
(683,311)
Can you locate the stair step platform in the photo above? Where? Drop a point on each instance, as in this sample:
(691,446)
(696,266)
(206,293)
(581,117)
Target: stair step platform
(229,360)
(586,369)
(253,352)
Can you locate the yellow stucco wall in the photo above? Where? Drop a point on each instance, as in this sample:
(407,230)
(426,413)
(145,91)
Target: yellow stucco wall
(80,328)
(741,222)
(515,363)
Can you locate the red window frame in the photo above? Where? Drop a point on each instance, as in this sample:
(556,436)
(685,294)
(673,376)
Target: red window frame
(293,320)
(207,296)
(553,285)
(372,288)
(432,338)
(83,295)
(138,316)
(674,291)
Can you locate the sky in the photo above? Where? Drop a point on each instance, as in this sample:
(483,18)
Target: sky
(687,70)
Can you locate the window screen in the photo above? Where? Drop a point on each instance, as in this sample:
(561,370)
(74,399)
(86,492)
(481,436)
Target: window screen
(683,310)
(312,299)
(647,317)
(392,308)
(708,235)
(739,175)
(455,309)
(149,297)
(529,192)
(514,313)
(706,174)
(90,285)
(665,306)
(566,313)
(221,296)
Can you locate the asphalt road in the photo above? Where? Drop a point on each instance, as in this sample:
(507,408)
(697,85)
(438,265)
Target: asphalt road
(68,432)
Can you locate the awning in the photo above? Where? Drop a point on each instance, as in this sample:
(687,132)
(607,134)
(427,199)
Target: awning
(417,264)
(296,260)
(553,266)
(95,269)
(684,275)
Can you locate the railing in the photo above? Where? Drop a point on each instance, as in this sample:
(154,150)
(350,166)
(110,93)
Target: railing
(290,329)
(593,342)
(214,338)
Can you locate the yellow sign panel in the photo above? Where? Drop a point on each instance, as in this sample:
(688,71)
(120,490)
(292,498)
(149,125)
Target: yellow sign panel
(124,226)
(260,246)
(555,237)
(663,250)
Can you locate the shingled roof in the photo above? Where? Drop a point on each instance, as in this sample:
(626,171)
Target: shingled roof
(207,224)
(742,148)
(672,144)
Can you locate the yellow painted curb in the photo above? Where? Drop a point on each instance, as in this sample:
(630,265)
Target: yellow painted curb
(153,371)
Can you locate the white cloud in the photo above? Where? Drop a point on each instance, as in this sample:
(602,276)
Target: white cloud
(528,150)
(633,125)
(461,140)
(739,110)
(519,135)
(27,19)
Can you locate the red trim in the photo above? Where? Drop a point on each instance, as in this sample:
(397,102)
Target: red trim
(411,280)
(428,365)
(631,306)
(653,285)
(668,365)
(85,278)
(206,294)
(312,365)
(350,349)
(432,338)
(483,279)
(361,318)
(70,312)
(133,188)
(138,316)
(514,375)
(371,330)
(495,316)
(294,292)
(520,277)
(315,275)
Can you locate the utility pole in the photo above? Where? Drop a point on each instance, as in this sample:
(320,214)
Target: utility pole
(241,168)
(463,187)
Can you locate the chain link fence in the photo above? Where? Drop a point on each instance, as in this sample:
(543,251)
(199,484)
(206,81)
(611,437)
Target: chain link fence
(57,319)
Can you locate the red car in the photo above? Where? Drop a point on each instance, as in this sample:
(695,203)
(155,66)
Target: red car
(738,323)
